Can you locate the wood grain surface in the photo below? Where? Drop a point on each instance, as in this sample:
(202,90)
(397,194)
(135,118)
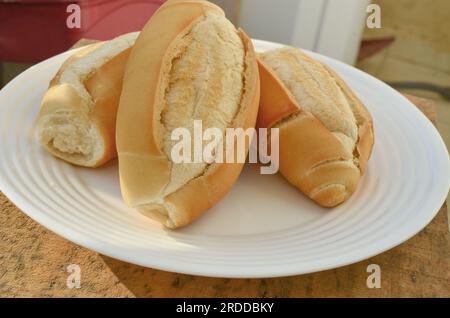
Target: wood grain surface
(33,263)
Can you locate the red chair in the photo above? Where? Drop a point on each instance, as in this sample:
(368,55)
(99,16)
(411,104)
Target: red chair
(33,30)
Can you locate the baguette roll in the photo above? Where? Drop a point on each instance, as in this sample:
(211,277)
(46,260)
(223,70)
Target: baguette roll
(326,133)
(189,63)
(77,118)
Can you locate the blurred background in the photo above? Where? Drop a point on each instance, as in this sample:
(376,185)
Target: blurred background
(411,50)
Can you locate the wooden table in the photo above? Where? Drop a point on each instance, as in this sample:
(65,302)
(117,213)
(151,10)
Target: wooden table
(33,262)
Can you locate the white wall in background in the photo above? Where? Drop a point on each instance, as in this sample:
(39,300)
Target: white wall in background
(271,20)
(330,27)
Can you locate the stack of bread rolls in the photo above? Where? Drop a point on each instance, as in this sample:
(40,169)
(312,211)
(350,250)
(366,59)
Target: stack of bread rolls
(126,96)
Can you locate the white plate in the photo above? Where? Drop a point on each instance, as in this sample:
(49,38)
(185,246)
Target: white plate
(264,227)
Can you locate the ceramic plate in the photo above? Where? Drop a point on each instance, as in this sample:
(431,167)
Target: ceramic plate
(263,227)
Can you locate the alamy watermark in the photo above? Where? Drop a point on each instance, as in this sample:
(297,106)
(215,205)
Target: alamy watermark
(73,20)
(74,278)
(374,19)
(374,279)
(214,145)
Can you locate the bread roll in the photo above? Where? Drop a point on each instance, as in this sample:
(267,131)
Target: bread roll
(326,133)
(189,63)
(77,119)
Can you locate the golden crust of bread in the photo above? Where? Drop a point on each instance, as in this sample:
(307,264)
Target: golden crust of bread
(311,157)
(105,87)
(366,138)
(276,102)
(145,169)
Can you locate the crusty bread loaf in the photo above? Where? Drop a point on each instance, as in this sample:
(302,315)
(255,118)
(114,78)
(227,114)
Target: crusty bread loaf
(77,119)
(189,63)
(326,133)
